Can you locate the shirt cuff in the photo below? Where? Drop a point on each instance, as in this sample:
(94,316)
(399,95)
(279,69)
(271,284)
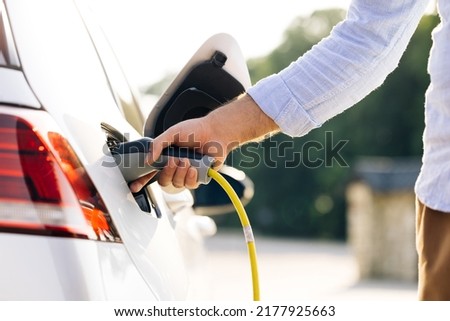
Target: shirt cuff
(276,100)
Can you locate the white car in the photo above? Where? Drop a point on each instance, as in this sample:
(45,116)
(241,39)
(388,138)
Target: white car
(70,229)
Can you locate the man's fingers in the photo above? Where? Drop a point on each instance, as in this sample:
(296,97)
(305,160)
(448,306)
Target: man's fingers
(181,134)
(180,174)
(137,185)
(166,175)
(191,178)
(160,142)
(187,134)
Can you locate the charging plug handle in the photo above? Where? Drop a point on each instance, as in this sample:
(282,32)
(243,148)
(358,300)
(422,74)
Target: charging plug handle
(130,158)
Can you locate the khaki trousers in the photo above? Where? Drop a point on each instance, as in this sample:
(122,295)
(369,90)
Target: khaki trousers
(433,248)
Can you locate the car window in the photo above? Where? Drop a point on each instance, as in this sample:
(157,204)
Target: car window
(8,55)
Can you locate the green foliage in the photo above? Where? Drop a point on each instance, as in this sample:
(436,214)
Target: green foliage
(300,36)
(309,202)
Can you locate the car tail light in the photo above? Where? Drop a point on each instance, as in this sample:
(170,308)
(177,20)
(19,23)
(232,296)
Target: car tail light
(44,189)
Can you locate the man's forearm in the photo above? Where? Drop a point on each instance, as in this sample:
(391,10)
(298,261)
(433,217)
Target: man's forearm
(241,121)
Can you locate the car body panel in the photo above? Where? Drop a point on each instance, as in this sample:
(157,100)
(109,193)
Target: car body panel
(121,279)
(77,96)
(14,89)
(63,82)
(40,274)
(89,271)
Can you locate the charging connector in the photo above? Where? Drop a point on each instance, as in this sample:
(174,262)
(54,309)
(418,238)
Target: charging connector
(131,156)
(131,159)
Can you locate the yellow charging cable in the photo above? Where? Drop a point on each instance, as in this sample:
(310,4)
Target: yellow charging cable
(245,225)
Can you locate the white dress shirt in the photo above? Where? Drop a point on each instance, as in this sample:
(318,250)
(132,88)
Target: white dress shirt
(353,61)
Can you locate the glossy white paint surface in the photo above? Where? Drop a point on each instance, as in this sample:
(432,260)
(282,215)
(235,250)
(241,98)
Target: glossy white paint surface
(15,90)
(62,69)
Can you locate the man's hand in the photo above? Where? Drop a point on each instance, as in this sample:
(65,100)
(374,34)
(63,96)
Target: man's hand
(216,134)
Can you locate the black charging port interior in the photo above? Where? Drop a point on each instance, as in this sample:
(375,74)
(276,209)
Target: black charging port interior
(143,199)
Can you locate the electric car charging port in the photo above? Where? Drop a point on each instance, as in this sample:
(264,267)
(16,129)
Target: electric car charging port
(143,197)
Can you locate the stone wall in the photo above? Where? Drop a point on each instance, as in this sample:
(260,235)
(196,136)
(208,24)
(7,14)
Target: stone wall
(381,231)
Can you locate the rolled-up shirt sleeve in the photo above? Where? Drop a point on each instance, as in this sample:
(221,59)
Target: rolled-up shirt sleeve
(341,69)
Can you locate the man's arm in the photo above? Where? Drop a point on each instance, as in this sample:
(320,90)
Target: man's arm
(343,68)
(216,134)
(334,75)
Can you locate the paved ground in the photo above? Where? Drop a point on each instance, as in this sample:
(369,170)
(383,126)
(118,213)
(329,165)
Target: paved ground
(292,270)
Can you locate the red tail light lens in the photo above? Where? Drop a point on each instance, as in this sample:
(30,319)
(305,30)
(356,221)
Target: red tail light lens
(44,189)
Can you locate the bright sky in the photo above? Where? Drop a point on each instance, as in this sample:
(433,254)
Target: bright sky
(153,38)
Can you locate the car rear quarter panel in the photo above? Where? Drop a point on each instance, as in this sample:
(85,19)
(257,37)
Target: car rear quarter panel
(63,70)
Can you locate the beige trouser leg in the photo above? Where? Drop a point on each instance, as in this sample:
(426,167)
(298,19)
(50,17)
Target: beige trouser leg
(433,247)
